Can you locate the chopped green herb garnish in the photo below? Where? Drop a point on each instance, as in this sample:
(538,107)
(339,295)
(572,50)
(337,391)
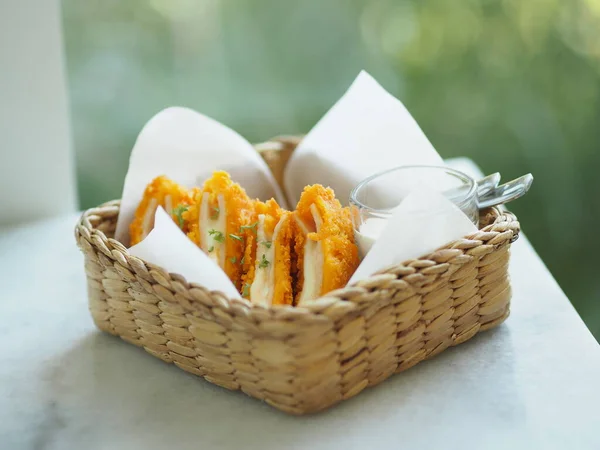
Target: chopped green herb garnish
(236,237)
(266,243)
(264,262)
(233,260)
(211,248)
(215,214)
(243,259)
(178,211)
(246,290)
(217,235)
(252,226)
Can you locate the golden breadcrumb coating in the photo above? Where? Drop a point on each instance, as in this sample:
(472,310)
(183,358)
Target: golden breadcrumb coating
(283,289)
(272,212)
(277,243)
(336,235)
(239,214)
(260,246)
(299,242)
(248,267)
(162,191)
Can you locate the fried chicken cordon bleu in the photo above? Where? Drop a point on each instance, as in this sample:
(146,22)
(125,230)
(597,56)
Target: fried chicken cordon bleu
(327,255)
(268,280)
(220,222)
(272,256)
(162,191)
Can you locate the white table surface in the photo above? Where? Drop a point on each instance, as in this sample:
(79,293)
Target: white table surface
(532,383)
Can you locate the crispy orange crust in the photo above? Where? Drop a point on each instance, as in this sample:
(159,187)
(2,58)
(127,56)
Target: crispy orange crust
(240,212)
(248,268)
(299,241)
(159,189)
(283,293)
(336,233)
(192,215)
(336,237)
(273,213)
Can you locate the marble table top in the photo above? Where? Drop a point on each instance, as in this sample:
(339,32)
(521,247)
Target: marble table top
(532,383)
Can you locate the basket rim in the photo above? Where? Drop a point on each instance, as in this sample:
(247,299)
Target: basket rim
(502,230)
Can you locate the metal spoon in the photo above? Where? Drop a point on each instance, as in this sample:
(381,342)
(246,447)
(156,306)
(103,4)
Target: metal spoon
(488,183)
(505,193)
(483,187)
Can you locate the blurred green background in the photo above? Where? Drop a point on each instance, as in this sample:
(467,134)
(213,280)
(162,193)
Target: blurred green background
(513,84)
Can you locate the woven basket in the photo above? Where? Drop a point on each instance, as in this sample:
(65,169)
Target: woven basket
(301,359)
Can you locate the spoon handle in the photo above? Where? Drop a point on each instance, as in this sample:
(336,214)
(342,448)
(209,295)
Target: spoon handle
(487,184)
(506,192)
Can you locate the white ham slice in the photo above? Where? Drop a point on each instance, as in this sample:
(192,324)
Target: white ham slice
(168,204)
(263,286)
(148,222)
(313,261)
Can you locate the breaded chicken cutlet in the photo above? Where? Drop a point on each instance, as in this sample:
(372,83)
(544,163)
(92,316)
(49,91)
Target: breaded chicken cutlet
(324,244)
(268,281)
(273,256)
(162,191)
(219,223)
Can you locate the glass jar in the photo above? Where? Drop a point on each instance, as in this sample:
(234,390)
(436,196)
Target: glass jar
(374,199)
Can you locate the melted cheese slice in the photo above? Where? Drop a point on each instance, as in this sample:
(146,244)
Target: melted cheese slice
(263,286)
(207,224)
(313,261)
(168,204)
(148,222)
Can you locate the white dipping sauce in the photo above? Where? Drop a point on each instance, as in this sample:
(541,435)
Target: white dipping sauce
(368,233)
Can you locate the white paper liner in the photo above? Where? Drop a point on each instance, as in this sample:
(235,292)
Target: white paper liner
(365,132)
(188,147)
(168,247)
(422,223)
